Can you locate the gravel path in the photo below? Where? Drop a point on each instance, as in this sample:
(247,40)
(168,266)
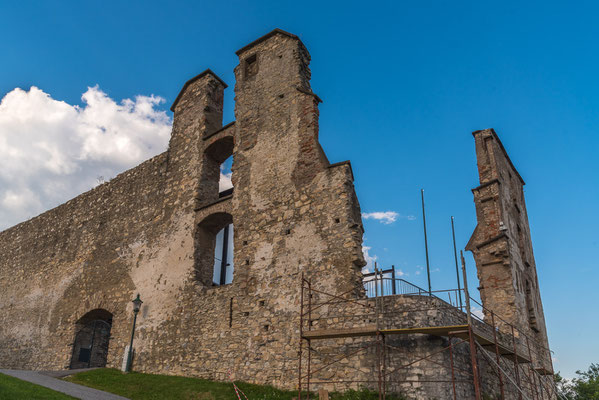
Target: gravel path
(43,378)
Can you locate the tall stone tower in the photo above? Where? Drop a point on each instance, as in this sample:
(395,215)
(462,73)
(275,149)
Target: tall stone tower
(502,247)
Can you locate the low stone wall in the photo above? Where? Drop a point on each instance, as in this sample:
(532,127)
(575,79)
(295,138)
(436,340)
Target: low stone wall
(416,365)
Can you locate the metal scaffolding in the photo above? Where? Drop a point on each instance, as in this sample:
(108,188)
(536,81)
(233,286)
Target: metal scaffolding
(325,315)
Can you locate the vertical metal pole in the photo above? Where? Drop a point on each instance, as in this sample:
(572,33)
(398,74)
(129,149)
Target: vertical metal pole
(544,387)
(470,333)
(310,304)
(516,363)
(452,371)
(301,340)
(309,343)
(223,263)
(428,268)
(376,298)
(129,357)
(466,294)
(533,382)
(378,361)
(309,362)
(384,368)
(457,269)
(393,279)
(497,356)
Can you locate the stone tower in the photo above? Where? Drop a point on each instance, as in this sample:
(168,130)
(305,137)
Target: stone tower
(502,247)
(70,273)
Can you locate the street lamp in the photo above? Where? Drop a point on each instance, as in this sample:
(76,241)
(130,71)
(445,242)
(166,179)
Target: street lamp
(136,306)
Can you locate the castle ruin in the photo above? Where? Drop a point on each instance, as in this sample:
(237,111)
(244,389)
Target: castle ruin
(265,280)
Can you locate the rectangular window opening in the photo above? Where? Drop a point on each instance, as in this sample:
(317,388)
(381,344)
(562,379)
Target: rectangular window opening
(251,66)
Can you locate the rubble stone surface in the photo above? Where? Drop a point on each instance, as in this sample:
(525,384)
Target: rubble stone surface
(152,230)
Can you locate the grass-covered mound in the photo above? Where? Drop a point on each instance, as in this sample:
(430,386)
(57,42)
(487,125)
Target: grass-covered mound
(16,389)
(137,386)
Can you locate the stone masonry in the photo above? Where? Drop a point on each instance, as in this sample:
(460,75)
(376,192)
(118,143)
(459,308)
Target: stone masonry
(502,246)
(68,276)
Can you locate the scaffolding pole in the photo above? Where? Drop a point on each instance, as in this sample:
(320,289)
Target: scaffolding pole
(470,333)
(497,355)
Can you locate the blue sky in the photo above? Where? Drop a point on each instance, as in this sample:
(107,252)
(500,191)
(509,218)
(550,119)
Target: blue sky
(404,84)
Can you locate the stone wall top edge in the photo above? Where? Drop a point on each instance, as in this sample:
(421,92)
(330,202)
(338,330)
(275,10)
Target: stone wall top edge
(261,39)
(340,163)
(216,132)
(496,137)
(192,80)
(88,196)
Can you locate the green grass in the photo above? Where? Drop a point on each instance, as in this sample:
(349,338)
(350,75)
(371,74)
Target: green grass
(137,386)
(16,389)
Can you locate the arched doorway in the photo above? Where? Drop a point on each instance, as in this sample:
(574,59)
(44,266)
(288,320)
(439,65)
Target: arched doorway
(90,348)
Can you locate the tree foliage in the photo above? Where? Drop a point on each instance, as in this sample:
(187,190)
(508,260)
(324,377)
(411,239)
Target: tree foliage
(584,387)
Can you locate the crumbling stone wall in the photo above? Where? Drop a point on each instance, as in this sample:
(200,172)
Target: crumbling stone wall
(417,365)
(148,231)
(151,230)
(502,246)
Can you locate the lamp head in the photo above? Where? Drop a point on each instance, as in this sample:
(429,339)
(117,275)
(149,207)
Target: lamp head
(137,304)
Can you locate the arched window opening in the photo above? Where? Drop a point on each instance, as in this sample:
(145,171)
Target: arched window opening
(216,170)
(225,185)
(223,257)
(92,336)
(214,250)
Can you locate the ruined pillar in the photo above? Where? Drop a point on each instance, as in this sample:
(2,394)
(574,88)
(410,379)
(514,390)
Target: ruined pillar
(502,246)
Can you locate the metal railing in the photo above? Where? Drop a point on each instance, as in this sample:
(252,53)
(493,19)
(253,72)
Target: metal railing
(507,347)
(386,283)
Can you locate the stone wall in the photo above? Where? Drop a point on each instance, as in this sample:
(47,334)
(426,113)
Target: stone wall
(417,365)
(502,246)
(151,230)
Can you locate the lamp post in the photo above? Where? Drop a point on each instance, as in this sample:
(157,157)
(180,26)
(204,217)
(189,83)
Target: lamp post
(136,306)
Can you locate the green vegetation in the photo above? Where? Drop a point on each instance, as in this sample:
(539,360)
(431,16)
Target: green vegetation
(16,389)
(137,386)
(583,387)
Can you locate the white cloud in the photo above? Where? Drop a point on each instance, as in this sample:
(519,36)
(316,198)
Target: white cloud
(51,151)
(386,217)
(224,182)
(478,312)
(370,260)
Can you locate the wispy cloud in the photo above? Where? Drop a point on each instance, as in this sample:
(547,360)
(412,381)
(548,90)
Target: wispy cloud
(51,151)
(386,217)
(224,182)
(370,259)
(477,311)
(400,273)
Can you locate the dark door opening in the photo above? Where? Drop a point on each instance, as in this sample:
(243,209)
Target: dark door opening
(90,348)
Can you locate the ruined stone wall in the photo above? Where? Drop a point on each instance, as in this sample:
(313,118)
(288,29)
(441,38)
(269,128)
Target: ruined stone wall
(502,246)
(416,365)
(292,213)
(73,259)
(151,231)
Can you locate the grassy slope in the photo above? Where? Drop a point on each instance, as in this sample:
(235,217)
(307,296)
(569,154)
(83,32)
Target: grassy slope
(138,386)
(16,389)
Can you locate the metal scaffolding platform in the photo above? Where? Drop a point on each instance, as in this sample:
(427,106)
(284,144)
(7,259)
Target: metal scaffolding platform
(503,351)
